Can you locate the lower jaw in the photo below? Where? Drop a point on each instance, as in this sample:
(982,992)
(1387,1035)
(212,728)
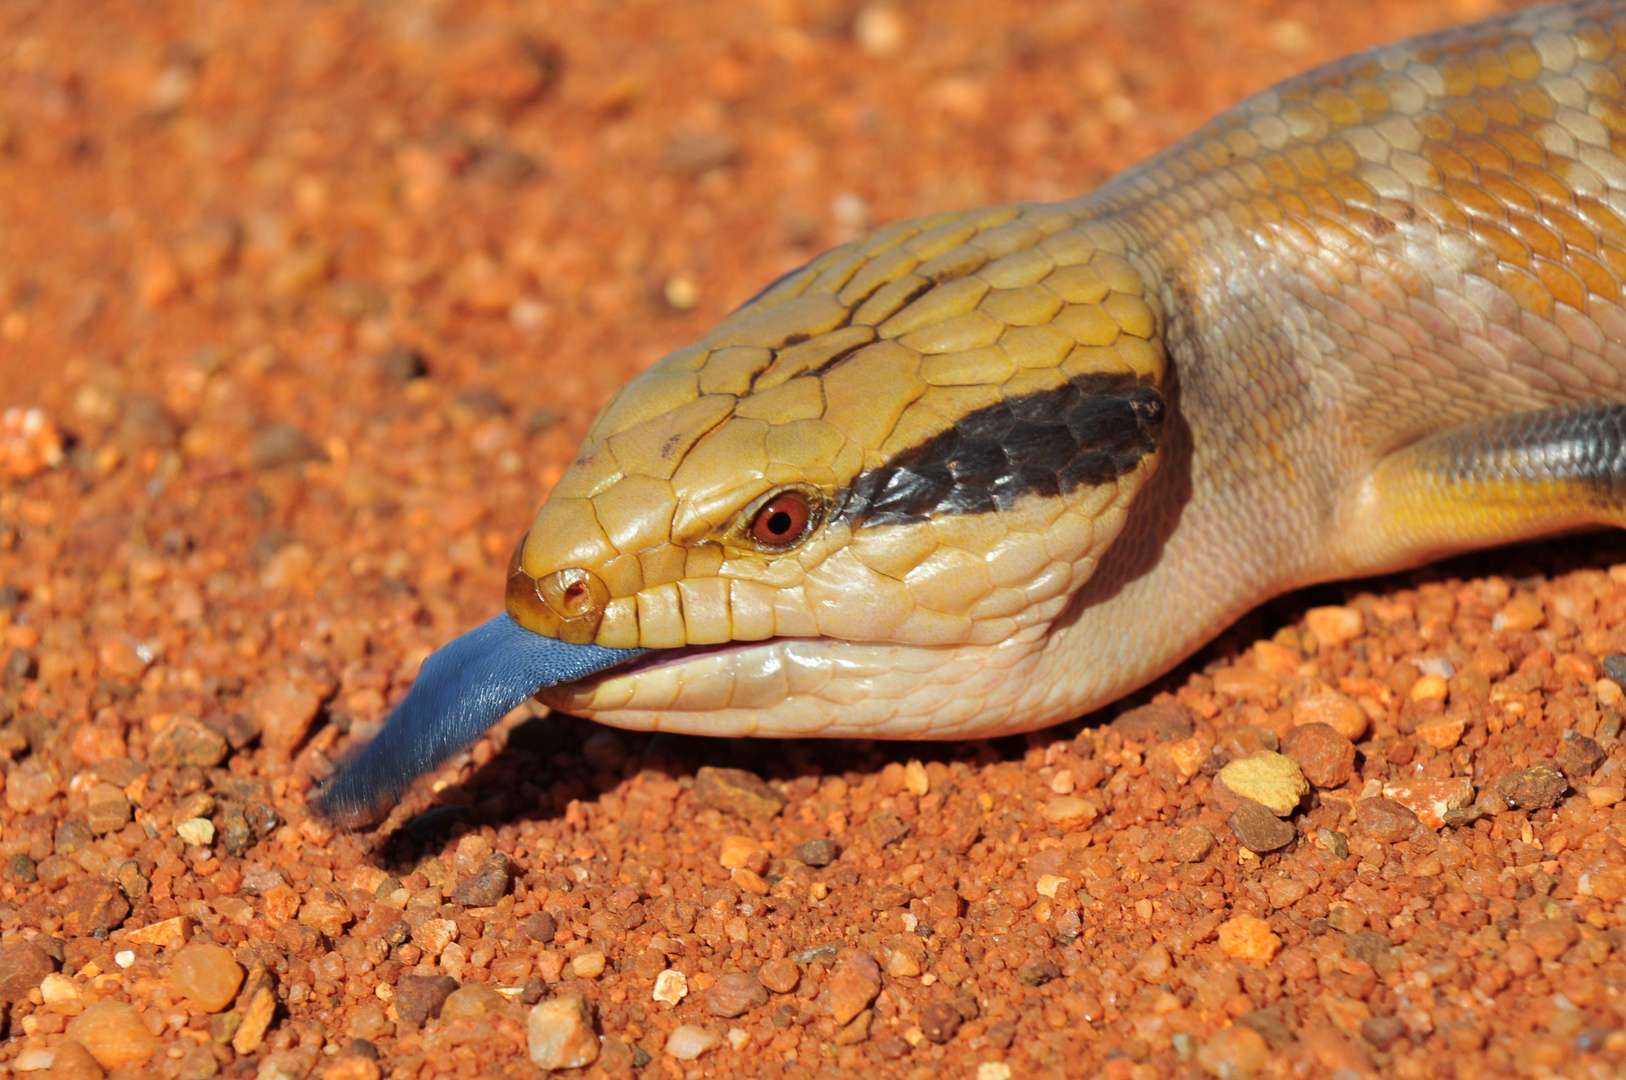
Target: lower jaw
(790,687)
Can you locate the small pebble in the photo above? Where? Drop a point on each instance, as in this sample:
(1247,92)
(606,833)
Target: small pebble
(283,712)
(1259,830)
(817,853)
(279,444)
(1069,812)
(940,1021)
(854,986)
(114,1034)
(487,886)
(736,791)
(1333,626)
(780,976)
(541,927)
(737,851)
(472,1002)
(1326,757)
(1234,1052)
(198,832)
(23,966)
(1338,711)
(1380,1031)
(1432,801)
(1155,723)
(1384,820)
(91,907)
(257,1017)
(418,998)
(671,986)
(689,1041)
(588,965)
(401,364)
(207,975)
(1270,779)
(560,1033)
(1192,843)
(186,741)
(1578,756)
(736,993)
(1246,937)
(108,809)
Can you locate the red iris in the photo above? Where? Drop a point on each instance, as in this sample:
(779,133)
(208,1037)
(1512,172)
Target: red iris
(782,522)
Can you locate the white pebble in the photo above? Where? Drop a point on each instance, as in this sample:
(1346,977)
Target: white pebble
(690,1041)
(199,832)
(671,986)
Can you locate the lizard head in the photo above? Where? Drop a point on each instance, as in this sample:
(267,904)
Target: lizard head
(894,466)
(854,508)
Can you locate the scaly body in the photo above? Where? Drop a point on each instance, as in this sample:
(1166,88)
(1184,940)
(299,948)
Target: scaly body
(981,472)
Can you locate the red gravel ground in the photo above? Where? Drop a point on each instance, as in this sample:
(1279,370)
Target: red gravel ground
(304,307)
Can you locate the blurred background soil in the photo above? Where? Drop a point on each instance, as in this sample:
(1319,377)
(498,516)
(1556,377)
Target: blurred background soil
(303,309)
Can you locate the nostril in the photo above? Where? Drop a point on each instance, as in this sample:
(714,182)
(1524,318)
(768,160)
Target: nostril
(575,593)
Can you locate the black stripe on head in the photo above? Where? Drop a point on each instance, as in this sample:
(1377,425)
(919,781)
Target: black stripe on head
(1091,430)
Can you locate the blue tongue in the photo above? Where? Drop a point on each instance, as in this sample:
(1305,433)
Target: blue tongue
(462,689)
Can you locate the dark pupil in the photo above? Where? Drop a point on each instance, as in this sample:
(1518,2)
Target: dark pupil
(779,523)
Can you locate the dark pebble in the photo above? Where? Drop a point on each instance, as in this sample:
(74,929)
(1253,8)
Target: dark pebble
(418,998)
(1367,946)
(305,942)
(280,444)
(1259,830)
(236,836)
(940,1021)
(20,666)
(1579,756)
(1269,1024)
(533,992)
(819,852)
(1384,820)
(1037,972)
(1380,1031)
(737,792)
(1540,787)
(401,364)
(23,966)
(131,880)
(1334,841)
(488,884)
(22,869)
(541,927)
(887,828)
(1162,722)
(364,1048)
(1614,666)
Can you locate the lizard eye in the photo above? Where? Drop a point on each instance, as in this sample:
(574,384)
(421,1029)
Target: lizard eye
(783,521)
